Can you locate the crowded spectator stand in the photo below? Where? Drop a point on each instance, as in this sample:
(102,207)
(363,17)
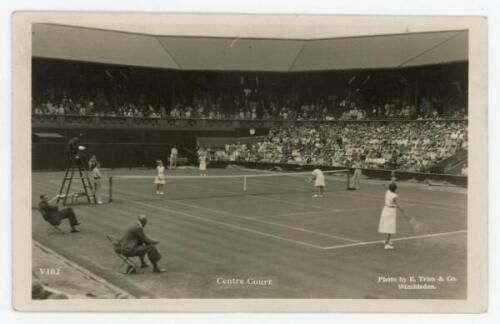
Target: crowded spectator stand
(411,145)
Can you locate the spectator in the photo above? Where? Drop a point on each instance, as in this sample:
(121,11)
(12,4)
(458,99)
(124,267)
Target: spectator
(411,146)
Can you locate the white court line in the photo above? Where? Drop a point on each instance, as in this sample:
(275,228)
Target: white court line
(268,198)
(357,243)
(227,224)
(239,176)
(411,202)
(333,211)
(376,196)
(291,202)
(454,210)
(323,209)
(372,198)
(214,221)
(365,196)
(251,218)
(264,198)
(262,221)
(416,237)
(258,197)
(419,202)
(300,213)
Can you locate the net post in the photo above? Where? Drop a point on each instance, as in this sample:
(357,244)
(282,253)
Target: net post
(110,187)
(348,179)
(244,183)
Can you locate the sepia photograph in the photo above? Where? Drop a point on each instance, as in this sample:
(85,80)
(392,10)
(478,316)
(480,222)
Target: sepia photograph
(239,157)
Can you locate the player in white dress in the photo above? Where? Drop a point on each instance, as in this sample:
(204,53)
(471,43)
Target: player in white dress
(387,224)
(319,182)
(160,177)
(203,163)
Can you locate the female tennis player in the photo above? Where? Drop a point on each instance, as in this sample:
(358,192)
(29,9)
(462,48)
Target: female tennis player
(160,177)
(319,182)
(203,163)
(387,224)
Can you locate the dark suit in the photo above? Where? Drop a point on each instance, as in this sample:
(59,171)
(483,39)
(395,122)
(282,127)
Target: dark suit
(72,147)
(54,216)
(136,243)
(73,153)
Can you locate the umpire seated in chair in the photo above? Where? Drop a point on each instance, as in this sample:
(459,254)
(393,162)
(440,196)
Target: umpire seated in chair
(75,152)
(54,216)
(135,243)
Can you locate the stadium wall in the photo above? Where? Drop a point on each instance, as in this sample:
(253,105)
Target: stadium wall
(116,148)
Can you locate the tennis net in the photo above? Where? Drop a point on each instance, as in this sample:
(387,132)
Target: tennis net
(142,187)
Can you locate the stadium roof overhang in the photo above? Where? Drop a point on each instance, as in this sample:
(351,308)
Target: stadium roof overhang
(244,47)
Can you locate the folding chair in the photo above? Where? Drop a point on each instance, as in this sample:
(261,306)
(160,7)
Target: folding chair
(131,267)
(52,229)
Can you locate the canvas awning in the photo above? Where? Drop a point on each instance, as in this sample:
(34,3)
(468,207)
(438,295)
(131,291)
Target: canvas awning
(248,53)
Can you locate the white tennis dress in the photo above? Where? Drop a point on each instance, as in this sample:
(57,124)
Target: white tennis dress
(387,224)
(160,177)
(319,178)
(203,163)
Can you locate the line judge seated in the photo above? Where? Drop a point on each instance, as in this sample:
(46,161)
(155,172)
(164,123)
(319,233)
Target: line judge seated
(135,243)
(54,216)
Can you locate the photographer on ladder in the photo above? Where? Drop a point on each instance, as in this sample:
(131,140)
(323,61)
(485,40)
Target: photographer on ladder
(74,151)
(77,163)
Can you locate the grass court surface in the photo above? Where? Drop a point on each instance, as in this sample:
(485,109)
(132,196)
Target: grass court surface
(212,235)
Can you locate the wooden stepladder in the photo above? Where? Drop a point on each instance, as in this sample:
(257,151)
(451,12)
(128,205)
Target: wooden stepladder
(82,175)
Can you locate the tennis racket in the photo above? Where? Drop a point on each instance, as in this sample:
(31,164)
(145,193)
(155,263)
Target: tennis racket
(417,227)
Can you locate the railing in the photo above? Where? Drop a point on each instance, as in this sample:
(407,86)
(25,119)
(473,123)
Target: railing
(45,120)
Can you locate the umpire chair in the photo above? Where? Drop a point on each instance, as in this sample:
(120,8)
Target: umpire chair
(76,164)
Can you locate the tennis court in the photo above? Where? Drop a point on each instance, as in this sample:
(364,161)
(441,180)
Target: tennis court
(211,232)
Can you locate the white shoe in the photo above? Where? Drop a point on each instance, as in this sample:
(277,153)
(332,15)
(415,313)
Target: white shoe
(100,203)
(315,196)
(388,247)
(161,192)
(157,192)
